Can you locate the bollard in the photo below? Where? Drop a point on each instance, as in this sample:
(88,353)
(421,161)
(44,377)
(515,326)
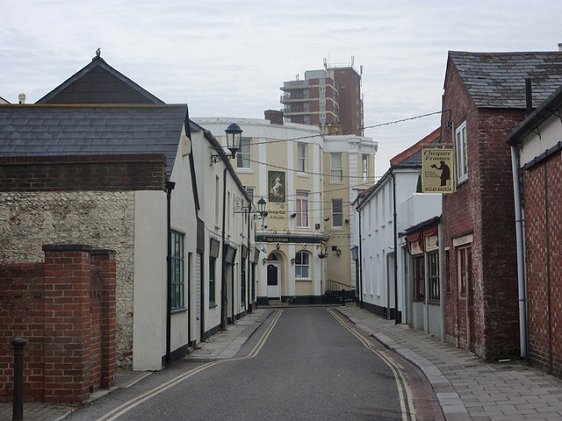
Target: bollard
(343,297)
(17,408)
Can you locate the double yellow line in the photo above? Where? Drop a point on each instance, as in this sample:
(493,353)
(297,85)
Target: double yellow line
(404,392)
(127,406)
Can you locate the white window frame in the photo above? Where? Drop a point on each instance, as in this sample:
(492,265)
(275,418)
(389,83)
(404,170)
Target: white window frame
(336,167)
(302,265)
(302,156)
(244,154)
(461,153)
(177,269)
(365,166)
(301,203)
(338,214)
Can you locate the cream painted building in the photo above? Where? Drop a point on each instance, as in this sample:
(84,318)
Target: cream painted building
(308,181)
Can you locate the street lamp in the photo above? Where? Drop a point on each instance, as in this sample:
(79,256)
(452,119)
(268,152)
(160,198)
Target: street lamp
(233,138)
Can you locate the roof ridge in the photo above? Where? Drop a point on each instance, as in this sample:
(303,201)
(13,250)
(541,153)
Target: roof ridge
(416,147)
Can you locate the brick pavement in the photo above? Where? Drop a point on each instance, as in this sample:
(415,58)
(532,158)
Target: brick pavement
(467,388)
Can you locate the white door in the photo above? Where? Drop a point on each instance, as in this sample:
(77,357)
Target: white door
(273,288)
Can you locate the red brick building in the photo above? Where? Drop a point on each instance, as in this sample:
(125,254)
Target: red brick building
(537,145)
(483,100)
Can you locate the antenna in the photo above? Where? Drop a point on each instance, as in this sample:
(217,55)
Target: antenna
(325,63)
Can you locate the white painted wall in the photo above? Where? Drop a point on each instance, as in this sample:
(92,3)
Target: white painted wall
(533,146)
(149,321)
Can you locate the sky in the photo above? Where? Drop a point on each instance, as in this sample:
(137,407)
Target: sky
(228,58)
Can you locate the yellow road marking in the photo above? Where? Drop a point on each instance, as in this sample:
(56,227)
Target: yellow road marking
(127,406)
(401,383)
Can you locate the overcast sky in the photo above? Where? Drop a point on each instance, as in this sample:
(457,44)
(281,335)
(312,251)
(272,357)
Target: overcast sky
(229,58)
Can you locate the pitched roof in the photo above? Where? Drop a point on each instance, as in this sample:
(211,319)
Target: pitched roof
(497,80)
(412,156)
(99,83)
(48,130)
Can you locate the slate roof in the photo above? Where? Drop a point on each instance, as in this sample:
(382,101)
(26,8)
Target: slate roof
(497,80)
(49,130)
(99,83)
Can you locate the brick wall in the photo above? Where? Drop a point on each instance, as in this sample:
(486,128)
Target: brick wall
(65,309)
(78,199)
(88,172)
(543,225)
(486,322)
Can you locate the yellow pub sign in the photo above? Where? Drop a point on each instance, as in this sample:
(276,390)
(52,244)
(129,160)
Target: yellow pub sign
(437,170)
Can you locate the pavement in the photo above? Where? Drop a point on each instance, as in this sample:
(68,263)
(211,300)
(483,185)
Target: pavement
(466,388)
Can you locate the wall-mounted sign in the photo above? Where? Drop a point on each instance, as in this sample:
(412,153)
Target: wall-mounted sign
(437,170)
(276,186)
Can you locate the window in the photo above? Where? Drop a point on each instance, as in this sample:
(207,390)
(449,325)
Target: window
(419,279)
(243,154)
(464,257)
(337,212)
(365,166)
(302,265)
(178,272)
(212,281)
(337,169)
(251,191)
(301,156)
(302,209)
(433,277)
(461,153)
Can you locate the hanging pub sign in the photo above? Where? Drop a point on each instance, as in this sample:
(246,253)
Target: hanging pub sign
(438,170)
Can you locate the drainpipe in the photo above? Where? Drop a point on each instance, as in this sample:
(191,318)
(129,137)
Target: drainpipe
(248,306)
(521,281)
(396,317)
(519,232)
(223,236)
(360,263)
(169,187)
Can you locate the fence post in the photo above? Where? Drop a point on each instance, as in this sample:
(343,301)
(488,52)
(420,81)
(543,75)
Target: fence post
(17,403)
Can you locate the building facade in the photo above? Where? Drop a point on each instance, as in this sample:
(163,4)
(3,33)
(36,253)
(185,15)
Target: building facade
(329,98)
(384,287)
(536,152)
(483,101)
(308,181)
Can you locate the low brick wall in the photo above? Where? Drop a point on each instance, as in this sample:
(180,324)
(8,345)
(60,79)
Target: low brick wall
(65,309)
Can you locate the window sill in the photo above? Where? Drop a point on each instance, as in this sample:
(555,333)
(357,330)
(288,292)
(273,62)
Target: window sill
(302,174)
(303,280)
(213,305)
(178,310)
(244,170)
(433,303)
(462,182)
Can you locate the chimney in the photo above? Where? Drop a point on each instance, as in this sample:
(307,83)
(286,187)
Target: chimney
(21,98)
(560,46)
(274,116)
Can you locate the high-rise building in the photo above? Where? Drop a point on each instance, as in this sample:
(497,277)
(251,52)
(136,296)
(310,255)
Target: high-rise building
(329,98)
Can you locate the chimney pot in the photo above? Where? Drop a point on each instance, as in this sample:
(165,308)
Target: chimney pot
(21,98)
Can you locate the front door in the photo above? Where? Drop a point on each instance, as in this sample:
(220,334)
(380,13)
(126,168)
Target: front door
(273,290)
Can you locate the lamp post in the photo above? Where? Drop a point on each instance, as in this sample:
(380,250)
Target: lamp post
(233,138)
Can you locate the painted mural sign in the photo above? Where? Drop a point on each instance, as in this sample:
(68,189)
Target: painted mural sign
(276,186)
(437,170)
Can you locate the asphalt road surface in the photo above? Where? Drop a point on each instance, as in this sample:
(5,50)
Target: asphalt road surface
(301,364)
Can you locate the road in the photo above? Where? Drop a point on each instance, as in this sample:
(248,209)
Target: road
(301,364)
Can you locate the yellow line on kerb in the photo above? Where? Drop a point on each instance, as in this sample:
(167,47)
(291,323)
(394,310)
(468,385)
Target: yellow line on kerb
(404,392)
(127,406)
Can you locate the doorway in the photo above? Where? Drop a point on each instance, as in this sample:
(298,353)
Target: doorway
(273,277)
